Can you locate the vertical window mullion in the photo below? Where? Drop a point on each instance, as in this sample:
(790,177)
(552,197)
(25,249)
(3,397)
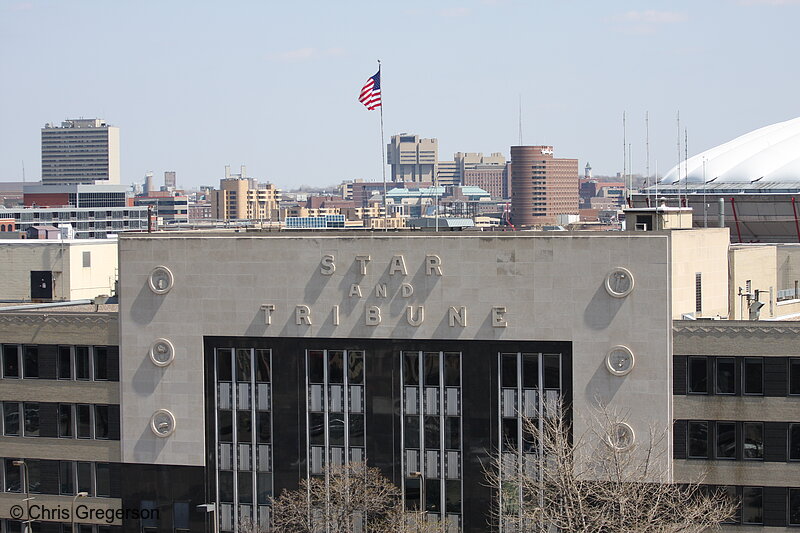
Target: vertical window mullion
(442,430)
(346,403)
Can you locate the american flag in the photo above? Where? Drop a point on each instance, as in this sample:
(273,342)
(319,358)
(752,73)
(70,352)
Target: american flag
(371,92)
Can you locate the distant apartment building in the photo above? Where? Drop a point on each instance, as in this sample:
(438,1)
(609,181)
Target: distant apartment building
(243,198)
(166,205)
(412,159)
(80,151)
(543,186)
(170,179)
(494,179)
(87,222)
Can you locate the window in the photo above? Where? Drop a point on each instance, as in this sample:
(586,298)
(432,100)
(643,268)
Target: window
(180,517)
(794,376)
(82,363)
(753,375)
(753,440)
(30,361)
(85,477)
(100,363)
(794,507)
(726,440)
(752,505)
(10,361)
(87,259)
(31,419)
(10,418)
(13,475)
(64,362)
(794,442)
(66,478)
(84,421)
(65,420)
(698,440)
(698,375)
(103,480)
(698,292)
(725,382)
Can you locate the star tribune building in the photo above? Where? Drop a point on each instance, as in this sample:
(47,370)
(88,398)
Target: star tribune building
(250,361)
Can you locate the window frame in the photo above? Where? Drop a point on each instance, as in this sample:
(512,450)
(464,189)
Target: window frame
(689,375)
(789,457)
(689,439)
(717,433)
(742,505)
(716,376)
(744,376)
(744,441)
(792,384)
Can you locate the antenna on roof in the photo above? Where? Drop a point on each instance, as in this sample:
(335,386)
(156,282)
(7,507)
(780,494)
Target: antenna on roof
(23,171)
(520,119)
(647,151)
(625,159)
(686,165)
(679,157)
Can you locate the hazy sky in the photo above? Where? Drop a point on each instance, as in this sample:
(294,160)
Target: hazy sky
(272,85)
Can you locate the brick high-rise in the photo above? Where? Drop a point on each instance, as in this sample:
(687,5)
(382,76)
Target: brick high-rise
(542,186)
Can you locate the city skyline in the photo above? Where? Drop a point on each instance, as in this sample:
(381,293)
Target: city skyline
(196,87)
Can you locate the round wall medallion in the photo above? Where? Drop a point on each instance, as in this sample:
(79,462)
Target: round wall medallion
(160,280)
(162,423)
(162,352)
(621,436)
(619,360)
(619,282)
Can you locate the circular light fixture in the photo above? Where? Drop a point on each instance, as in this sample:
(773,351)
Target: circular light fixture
(619,282)
(161,280)
(620,360)
(162,423)
(162,352)
(621,437)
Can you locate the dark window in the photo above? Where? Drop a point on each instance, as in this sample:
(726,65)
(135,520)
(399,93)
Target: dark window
(336,429)
(794,507)
(510,434)
(452,433)
(100,363)
(64,362)
(13,476)
(180,516)
(101,413)
(66,478)
(698,440)
(85,478)
(432,369)
(726,440)
(794,442)
(30,361)
(432,432)
(10,418)
(84,421)
(794,376)
(452,369)
(698,375)
(530,370)
(753,375)
(355,368)
(509,371)
(316,366)
(226,486)
(103,479)
(753,440)
(752,505)
(65,420)
(82,362)
(262,366)
(411,431)
(411,369)
(356,430)
(225,421)
(264,482)
(552,371)
(31,419)
(243,365)
(224,372)
(725,382)
(335,367)
(10,361)
(245,487)
(316,428)
(452,496)
(244,426)
(264,434)
(730,493)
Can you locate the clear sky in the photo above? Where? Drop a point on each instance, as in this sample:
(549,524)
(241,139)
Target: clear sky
(196,85)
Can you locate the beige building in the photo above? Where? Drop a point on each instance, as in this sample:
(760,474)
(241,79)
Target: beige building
(243,198)
(80,151)
(412,158)
(54,270)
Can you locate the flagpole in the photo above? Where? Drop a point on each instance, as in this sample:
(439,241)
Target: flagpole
(383,157)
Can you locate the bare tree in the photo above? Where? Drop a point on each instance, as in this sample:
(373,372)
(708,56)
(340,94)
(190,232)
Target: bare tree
(349,498)
(602,481)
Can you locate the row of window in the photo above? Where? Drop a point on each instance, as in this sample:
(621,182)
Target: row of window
(734,376)
(783,505)
(95,479)
(82,421)
(83,363)
(729,440)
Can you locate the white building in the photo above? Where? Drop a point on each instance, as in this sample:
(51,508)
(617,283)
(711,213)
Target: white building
(80,151)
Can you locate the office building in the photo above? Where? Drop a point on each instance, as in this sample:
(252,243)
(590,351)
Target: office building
(243,198)
(170,179)
(80,151)
(87,222)
(543,186)
(168,206)
(494,179)
(412,159)
(249,361)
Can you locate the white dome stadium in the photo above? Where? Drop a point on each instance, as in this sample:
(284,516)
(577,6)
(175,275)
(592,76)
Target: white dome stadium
(768,154)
